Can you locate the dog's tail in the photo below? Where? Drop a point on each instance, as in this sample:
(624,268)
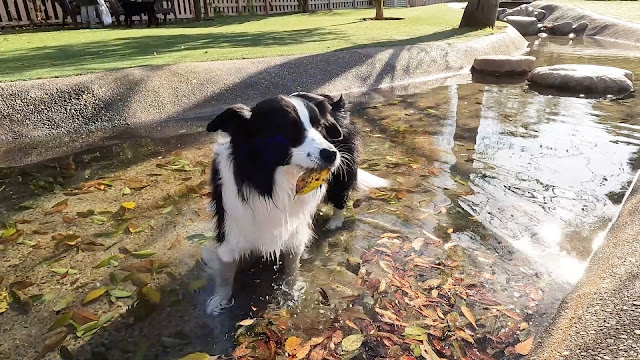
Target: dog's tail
(368,181)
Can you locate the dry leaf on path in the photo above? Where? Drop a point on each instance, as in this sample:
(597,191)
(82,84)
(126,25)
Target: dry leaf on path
(524,347)
(467,313)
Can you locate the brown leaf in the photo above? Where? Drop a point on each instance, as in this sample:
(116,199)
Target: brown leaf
(68,219)
(20,285)
(240,351)
(136,184)
(303,352)
(317,354)
(467,313)
(337,337)
(524,347)
(511,314)
(58,207)
(84,316)
(293,345)
(476,354)
(53,342)
(463,335)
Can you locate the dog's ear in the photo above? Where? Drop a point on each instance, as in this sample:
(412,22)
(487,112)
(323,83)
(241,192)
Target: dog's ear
(336,105)
(226,121)
(339,104)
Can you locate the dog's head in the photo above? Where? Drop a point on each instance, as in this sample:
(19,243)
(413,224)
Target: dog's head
(285,130)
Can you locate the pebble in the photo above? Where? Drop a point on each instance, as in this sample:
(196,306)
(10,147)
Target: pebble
(636,303)
(637,332)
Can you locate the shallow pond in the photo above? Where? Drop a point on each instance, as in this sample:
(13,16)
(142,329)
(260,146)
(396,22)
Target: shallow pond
(499,197)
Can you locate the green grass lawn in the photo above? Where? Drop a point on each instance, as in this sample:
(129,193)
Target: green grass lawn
(623,10)
(45,54)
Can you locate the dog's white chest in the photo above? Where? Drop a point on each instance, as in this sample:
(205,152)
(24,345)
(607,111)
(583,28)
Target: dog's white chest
(262,225)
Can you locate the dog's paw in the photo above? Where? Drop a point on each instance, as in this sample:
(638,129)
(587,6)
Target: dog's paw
(217,304)
(335,223)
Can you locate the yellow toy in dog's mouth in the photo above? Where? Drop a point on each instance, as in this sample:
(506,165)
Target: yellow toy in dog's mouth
(311,180)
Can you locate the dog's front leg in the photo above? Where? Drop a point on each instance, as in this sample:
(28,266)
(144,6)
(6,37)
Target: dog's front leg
(223,273)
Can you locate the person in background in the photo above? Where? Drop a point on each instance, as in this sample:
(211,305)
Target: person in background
(88,12)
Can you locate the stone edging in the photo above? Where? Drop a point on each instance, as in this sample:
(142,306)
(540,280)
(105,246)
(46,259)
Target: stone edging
(104,102)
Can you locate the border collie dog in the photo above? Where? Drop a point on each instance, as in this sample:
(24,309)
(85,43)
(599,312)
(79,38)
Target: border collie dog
(258,159)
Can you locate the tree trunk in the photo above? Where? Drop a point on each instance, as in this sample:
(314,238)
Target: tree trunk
(305,6)
(379,13)
(480,14)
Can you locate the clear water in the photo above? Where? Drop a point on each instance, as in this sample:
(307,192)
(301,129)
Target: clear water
(500,191)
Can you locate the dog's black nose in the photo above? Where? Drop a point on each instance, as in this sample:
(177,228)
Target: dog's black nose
(328,156)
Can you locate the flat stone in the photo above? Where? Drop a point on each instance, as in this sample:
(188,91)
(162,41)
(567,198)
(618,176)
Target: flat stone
(561,29)
(524,10)
(584,79)
(526,26)
(580,27)
(500,64)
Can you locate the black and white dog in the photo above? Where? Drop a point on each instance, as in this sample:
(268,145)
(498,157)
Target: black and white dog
(257,163)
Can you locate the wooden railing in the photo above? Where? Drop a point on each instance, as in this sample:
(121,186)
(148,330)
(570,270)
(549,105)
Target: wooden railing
(49,12)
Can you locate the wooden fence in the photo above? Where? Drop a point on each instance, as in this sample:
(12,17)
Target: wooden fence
(49,12)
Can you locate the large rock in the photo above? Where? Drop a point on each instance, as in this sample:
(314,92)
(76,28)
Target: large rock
(523,10)
(561,29)
(584,79)
(527,26)
(502,64)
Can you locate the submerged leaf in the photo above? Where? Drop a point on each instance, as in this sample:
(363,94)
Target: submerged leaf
(58,207)
(107,261)
(61,271)
(61,321)
(151,294)
(94,294)
(135,228)
(100,220)
(4,301)
(292,345)
(463,335)
(120,293)
(63,303)
(53,342)
(196,356)
(142,254)
(246,322)
(467,313)
(68,219)
(82,317)
(415,333)
(197,284)
(352,342)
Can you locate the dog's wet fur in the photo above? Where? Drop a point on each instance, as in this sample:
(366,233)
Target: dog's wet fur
(258,159)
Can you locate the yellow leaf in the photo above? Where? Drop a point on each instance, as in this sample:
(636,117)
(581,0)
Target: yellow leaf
(292,345)
(463,334)
(246,322)
(94,294)
(129,205)
(196,356)
(4,301)
(303,352)
(467,313)
(311,180)
(524,347)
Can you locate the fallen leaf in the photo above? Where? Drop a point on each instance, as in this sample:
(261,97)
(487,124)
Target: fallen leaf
(167,209)
(135,228)
(304,351)
(107,261)
(4,301)
(20,285)
(94,294)
(88,329)
(240,351)
(152,294)
(317,354)
(53,342)
(63,303)
(415,333)
(61,271)
(129,205)
(126,191)
(196,356)
(85,214)
(463,334)
(82,317)
(337,337)
(142,254)
(62,320)
(68,219)
(136,184)
(315,341)
(352,342)
(467,313)
(58,207)
(389,235)
(386,266)
(524,347)
(119,293)
(292,345)
(99,220)
(417,243)
(246,322)
(197,284)
(428,351)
